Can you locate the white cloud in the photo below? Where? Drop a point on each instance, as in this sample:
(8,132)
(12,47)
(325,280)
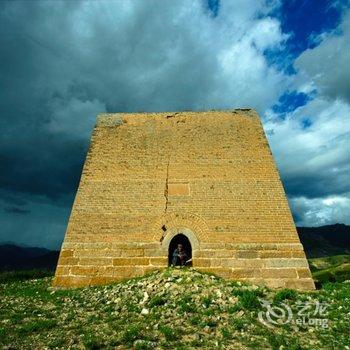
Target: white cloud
(266,33)
(322,145)
(321,211)
(315,161)
(245,72)
(130,57)
(327,65)
(73,117)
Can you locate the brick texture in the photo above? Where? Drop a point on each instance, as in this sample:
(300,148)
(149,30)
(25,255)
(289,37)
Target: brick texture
(207,175)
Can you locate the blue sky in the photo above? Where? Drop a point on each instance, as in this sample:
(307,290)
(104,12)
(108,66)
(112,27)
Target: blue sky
(307,19)
(63,62)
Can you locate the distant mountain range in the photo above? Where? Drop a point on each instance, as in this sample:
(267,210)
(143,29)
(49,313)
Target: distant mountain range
(325,240)
(317,241)
(14,257)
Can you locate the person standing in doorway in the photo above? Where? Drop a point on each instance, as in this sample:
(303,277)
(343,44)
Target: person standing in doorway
(180,257)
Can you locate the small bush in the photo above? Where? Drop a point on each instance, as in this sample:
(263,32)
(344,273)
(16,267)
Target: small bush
(38,326)
(238,323)
(237,292)
(131,307)
(284,294)
(143,345)
(169,333)
(186,304)
(212,323)
(225,333)
(234,308)
(240,291)
(131,334)
(187,307)
(195,320)
(249,300)
(207,301)
(157,301)
(91,342)
(279,341)
(209,312)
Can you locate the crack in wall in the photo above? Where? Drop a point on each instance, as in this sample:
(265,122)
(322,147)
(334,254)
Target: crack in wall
(172,115)
(166,187)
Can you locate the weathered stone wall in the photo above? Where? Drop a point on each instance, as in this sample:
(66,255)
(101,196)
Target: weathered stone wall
(208,175)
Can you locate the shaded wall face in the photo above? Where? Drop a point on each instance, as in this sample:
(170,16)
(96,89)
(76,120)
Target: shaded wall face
(209,175)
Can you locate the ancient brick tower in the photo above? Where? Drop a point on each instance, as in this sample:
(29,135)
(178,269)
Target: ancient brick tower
(206,179)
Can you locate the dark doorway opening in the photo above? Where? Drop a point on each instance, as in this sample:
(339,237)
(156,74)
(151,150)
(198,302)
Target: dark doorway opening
(180,239)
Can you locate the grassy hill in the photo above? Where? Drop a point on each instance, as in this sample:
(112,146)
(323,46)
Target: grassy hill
(331,269)
(14,257)
(172,309)
(325,240)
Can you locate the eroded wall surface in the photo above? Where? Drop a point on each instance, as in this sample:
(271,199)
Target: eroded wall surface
(208,175)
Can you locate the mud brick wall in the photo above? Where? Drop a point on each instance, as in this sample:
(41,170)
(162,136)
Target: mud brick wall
(207,175)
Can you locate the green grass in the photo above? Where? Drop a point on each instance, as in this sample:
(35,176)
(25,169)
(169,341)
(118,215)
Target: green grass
(331,269)
(284,294)
(197,311)
(249,300)
(281,341)
(328,262)
(157,301)
(22,275)
(131,333)
(169,333)
(37,326)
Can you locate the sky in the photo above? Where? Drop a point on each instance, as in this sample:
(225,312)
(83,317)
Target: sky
(63,62)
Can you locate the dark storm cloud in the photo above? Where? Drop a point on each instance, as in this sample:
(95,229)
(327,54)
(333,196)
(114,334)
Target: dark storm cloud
(323,184)
(63,62)
(32,166)
(323,172)
(63,65)
(35,156)
(16,210)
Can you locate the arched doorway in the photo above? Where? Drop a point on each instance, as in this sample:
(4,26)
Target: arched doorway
(186,244)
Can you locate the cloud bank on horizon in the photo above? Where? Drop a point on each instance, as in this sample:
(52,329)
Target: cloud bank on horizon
(64,62)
